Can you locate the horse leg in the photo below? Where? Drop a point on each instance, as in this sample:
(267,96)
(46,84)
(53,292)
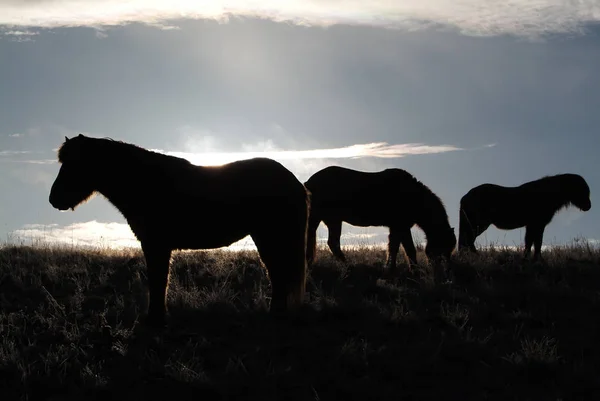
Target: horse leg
(472,235)
(157,264)
(311,240)
(476,233)
(529,237)
(394,240)
(284,256)
(409,246)
(467,232)
(333,240)
(538,236)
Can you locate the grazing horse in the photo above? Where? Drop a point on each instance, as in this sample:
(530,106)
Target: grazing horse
(172,204)
(531,205)
(392,198)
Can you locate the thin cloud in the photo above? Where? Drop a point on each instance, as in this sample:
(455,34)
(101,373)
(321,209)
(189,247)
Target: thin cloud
(20,35)
(14,152)
(525,18)
(100,34)
(268,149)
(41,161)
(11,156)
(376,149)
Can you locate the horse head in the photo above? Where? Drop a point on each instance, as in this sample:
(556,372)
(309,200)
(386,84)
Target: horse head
(441,244)
(580,194)
(72,186)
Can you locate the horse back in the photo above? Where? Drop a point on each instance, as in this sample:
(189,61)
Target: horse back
(222,204)
(360,198)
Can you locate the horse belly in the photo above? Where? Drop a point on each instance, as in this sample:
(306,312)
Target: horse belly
(508,217)
(360,216)
(366,221)
(206,237)
(208,230)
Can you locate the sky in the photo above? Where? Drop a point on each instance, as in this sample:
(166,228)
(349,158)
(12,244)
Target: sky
(456,93)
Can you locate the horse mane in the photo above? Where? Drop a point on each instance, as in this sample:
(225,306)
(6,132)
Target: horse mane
(571,183)
(432,200)
(109,150)
(569,178)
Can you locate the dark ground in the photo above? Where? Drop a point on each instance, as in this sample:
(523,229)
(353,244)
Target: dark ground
(503,329)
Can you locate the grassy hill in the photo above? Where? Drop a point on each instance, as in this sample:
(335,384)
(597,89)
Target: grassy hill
(502,328)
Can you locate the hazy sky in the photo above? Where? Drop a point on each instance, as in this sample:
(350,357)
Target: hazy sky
(456,93)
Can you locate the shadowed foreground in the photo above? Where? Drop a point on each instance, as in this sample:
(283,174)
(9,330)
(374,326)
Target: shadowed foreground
(503,329)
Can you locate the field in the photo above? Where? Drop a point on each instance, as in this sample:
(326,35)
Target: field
(500,329)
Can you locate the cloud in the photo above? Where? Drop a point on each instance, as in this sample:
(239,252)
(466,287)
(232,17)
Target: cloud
(33,161)
(101,34)
(8,156)
(19,35)
(14,152)
(268,149)
(303,163)
(33,175)
(119,235)
(529,18)
(92,234)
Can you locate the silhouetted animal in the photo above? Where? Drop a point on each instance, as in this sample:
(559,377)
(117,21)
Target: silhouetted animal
(392,198)
(171,204)
(531,205)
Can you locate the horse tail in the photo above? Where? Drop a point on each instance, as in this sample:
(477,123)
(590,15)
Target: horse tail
(311,246)
(314,219)
(311,243)
(465,229)
(297,273)
(462,221)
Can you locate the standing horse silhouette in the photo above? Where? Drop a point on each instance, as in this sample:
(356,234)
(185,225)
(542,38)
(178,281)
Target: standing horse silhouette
(172,204)
(392,198)
(531,205)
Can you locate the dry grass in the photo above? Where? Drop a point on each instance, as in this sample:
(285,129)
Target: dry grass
(501,329)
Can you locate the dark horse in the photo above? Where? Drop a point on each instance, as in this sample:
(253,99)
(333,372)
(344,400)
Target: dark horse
(531,205)
(392,198)
(172,204)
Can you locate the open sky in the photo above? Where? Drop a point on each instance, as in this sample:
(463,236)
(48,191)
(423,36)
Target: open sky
(456,93)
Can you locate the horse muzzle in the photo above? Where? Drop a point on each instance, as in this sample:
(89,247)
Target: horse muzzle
(587,206)
(57,205)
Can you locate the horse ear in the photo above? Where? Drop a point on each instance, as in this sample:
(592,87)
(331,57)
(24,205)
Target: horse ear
(66,138)
(80,135)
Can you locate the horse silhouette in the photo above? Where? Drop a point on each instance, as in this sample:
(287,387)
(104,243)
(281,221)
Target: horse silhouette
(531,205)
(392,198)
(172,204)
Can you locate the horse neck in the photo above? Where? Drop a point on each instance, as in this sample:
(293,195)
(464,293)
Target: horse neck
(120,185)
(559,199)
(432,216)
